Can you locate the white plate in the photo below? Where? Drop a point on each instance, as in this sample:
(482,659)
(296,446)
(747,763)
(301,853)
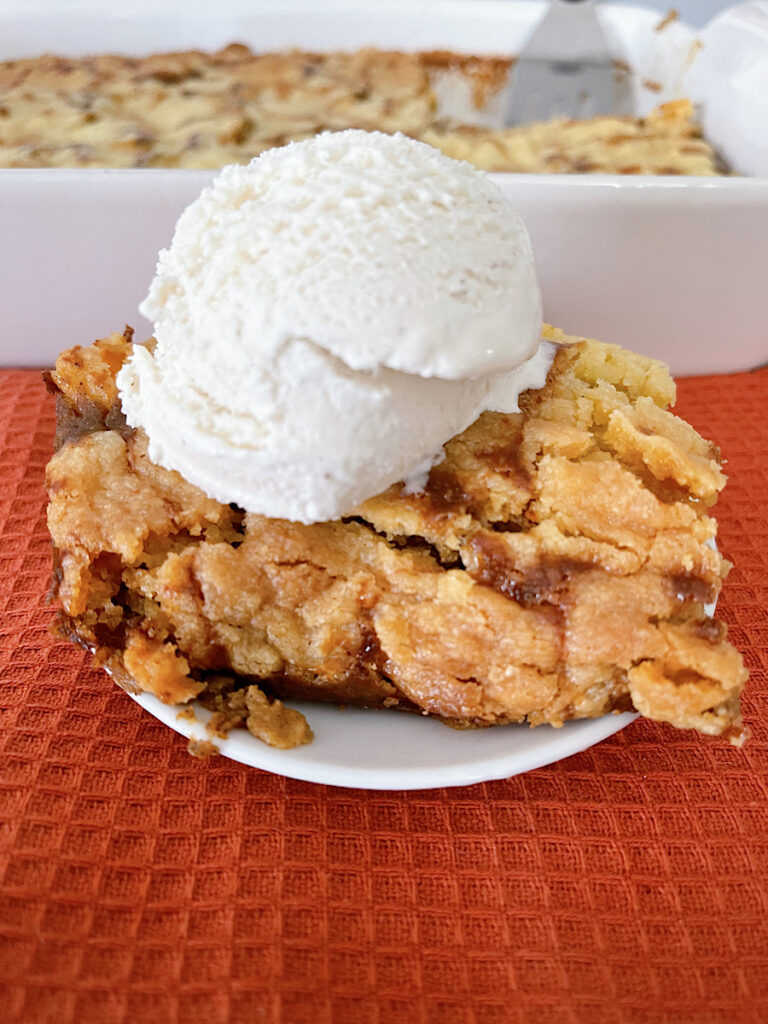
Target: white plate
(366,749)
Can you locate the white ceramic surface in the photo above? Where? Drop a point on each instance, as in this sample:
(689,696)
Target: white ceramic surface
(364,749)
(671,267)
(730,81)
(675,271)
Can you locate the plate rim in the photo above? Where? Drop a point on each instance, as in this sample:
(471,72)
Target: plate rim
(573,737)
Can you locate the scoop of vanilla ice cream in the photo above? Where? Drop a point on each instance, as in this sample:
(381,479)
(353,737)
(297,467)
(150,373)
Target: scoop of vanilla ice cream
(327,317)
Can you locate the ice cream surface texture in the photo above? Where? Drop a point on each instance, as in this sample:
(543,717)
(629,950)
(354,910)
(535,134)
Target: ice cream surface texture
(327,317)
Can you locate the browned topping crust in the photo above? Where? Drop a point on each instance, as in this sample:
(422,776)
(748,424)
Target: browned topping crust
(485,75)
(203,110)
(668,141)
(554,567)
(202,748)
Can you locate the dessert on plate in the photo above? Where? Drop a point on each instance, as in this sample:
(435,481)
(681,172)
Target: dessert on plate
(350,466)
(205,110)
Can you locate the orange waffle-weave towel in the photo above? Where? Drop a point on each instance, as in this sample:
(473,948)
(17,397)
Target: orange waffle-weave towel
(626,885)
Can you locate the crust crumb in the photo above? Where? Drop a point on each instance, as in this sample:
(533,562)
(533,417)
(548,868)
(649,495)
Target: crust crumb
(202,748)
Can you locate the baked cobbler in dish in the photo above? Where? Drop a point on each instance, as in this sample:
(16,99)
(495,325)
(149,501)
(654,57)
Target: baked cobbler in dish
(206,110)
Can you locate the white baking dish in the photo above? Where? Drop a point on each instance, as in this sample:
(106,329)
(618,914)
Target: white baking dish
(675,267)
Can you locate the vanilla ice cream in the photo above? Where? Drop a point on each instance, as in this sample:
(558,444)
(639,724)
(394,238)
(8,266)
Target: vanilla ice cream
(327,317)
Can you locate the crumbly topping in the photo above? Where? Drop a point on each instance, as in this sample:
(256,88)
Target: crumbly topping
(555,566)
(201,110)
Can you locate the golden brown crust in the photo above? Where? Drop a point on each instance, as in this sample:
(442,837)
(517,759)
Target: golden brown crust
(668,141)
(193,109)
(85,390)
(555,566)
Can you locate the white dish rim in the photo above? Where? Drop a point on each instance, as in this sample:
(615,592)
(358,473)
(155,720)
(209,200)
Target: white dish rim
(301,763)
(685,188)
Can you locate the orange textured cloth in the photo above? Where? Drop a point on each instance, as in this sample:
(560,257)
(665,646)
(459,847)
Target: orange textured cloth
(626,885)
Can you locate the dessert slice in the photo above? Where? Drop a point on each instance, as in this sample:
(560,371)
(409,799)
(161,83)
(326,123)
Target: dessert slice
(555,565)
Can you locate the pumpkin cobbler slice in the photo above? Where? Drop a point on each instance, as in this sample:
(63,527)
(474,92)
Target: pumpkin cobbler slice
(555,565)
